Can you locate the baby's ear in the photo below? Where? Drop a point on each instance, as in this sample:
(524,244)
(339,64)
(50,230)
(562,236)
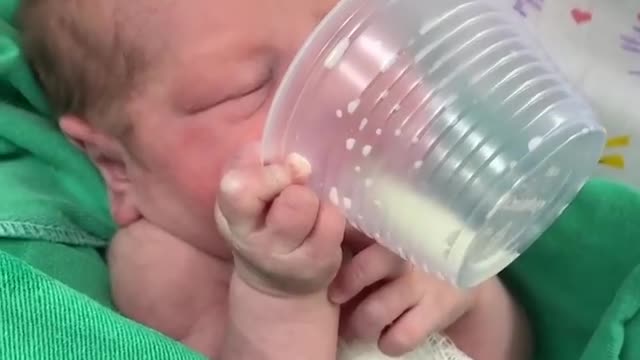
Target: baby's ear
(109,157)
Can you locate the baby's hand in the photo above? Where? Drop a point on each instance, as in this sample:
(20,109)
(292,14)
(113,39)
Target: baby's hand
(389,301)
(285,241)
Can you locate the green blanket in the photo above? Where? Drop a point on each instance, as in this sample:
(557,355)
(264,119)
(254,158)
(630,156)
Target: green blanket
(579,282)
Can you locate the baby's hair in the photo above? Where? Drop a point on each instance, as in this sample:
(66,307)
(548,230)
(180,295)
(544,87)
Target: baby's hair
(83,62)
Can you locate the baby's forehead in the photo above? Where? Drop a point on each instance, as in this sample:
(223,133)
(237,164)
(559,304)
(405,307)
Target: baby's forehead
(187,40)
(164,18)
(173,23)
(220,30)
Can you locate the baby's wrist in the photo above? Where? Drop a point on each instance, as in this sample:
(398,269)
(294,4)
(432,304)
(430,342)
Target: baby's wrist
(279,286)
(247,301)
(278,327)
(261,284)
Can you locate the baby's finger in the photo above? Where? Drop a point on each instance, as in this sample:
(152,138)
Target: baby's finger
(321,253)
(371,265)
(244,194)
(436,311)
(407,333)
(290,219)
(314,263)
(327,235)
(236,175)
(380,309)
(248,187)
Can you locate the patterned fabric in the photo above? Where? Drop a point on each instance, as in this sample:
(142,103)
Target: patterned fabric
(435,348)
(596,43)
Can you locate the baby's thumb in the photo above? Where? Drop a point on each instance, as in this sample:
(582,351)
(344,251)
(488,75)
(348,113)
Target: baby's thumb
(299,166)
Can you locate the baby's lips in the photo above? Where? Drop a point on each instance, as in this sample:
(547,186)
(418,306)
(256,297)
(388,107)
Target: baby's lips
(300,167)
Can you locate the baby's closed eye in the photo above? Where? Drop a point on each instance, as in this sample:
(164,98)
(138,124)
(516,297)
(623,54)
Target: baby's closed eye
(233,89)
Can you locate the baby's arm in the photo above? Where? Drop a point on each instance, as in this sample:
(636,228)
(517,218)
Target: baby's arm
(279,328)
(170,286)
(173,288)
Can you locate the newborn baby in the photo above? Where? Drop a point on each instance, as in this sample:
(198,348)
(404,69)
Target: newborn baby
(233,258)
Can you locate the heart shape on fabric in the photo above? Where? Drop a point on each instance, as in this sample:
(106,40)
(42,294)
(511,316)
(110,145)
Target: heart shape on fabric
(581,16)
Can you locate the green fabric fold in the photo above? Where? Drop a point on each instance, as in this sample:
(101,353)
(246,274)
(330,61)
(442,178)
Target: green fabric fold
(44,319)
(50,191)
(577,280)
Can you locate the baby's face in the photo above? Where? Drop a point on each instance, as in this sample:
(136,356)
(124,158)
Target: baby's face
(216,66)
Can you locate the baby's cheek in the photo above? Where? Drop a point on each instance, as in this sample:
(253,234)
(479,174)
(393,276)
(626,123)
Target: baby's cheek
(197,169)
(201,149)
(199,182)
(196,187)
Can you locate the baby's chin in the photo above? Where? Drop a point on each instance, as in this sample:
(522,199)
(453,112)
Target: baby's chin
(436,347)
